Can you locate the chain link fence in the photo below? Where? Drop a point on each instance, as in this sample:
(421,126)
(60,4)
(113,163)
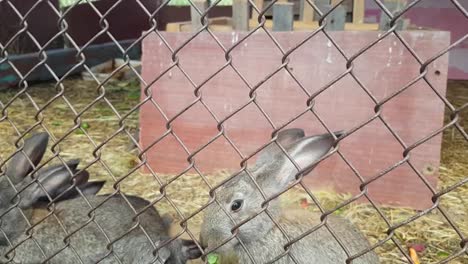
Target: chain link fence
(57,209)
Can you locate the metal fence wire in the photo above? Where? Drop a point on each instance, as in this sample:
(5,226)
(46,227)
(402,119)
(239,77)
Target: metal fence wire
(121,236)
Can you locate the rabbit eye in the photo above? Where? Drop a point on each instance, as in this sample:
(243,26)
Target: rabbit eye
(236,205)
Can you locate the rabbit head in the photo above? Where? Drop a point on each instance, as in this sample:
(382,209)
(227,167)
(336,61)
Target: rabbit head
(19,192)
(242,199)
(59,189)
(19,166)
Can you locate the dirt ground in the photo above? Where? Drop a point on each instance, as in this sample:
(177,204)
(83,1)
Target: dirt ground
(116,160)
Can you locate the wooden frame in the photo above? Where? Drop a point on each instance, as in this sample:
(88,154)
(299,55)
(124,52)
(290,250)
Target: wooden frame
(305,23)
(358,11)
(225,24)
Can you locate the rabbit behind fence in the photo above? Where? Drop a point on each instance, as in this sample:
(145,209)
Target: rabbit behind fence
(273,172)
(113,220)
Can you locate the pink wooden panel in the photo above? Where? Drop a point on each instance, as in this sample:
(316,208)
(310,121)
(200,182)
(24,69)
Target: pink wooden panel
(383,69)
(437,15)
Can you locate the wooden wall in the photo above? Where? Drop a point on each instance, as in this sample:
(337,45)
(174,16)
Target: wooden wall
(383,69)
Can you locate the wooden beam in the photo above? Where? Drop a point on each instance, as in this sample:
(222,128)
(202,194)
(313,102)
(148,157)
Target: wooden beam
(259,4)
(308,26)
(393,6)
(358,11)
(323,6)
(307,12)
(363,26)
(254,23)
(283,17)
(336,20)
(224,24)
(202,5)
(240,15)
(173,27)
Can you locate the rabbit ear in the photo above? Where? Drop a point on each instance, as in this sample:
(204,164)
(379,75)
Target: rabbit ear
(20,164)
(72,164)
(88,189)
(190,249)
(285,138)
(304,152)
(54,184)
(92,188)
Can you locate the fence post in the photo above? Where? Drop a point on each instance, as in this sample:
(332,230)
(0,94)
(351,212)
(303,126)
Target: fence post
(283,17)
(202,5)
(240,15)
(393,6)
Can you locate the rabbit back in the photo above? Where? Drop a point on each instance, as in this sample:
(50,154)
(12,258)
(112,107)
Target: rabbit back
(113,217)
(319,247)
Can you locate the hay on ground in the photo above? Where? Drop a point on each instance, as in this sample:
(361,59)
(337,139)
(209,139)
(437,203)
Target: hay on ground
(190,192)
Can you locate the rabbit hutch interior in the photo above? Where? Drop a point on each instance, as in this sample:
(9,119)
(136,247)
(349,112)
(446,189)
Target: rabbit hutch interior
(233,131)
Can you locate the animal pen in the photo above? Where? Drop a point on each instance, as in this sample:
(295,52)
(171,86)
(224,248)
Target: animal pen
(178,102)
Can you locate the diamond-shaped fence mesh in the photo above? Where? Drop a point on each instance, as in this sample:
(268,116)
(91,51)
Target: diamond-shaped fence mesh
(77,185)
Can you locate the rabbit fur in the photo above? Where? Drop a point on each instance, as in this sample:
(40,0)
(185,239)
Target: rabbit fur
(89,244)
(273,172)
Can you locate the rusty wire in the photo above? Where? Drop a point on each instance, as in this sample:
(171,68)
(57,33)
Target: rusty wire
(197,88)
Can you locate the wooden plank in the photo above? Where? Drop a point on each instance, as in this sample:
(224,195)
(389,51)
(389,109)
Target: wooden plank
(323,6)
(309,26)
(384,69)
(254,23)
(61,61)
(336,20)
(173,27)
(216,23)
(296,8)
(358,11)
(393,6)
(220,28)
(186,28)
(259,4)
(307,12)
(240,15)
(283,18)
(202,5)
(365,27)
(298,25)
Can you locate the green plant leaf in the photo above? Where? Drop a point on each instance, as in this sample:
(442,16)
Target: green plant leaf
(85,125)
(213,259)
(443,254)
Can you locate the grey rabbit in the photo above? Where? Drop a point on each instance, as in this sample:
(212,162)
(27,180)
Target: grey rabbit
(113,220)
(35,148)
(273,172)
